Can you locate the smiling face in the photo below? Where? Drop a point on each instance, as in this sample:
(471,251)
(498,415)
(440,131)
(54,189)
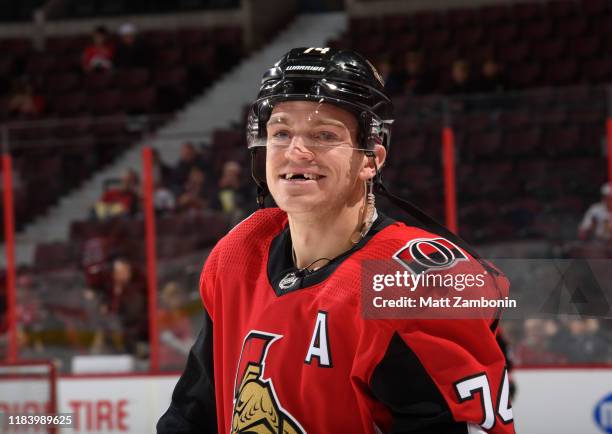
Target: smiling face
(311,163)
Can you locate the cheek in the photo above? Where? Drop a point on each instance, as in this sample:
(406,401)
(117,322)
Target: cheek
(347,170)
(356,165)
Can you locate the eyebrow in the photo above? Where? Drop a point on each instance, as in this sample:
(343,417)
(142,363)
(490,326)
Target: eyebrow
(280,118)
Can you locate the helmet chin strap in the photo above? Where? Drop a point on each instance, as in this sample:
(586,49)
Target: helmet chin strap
(369,212)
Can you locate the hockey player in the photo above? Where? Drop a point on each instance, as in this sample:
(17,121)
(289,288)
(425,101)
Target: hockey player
(285,347)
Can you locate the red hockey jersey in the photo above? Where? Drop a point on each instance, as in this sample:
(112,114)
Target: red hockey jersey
(288,351)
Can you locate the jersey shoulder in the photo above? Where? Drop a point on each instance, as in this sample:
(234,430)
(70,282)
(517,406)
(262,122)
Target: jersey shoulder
(244,248)
(261,225)
(418,251)
(252,236)
(400,241)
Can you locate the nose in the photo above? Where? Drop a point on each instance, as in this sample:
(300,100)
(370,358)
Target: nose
(297,149)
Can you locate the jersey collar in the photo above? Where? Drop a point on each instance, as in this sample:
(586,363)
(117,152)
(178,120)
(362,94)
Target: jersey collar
(284,277)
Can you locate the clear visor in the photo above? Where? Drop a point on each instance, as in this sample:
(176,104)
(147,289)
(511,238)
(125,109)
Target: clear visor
(309,124)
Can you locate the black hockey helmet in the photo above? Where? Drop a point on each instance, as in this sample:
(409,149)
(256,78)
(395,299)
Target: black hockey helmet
(340,77)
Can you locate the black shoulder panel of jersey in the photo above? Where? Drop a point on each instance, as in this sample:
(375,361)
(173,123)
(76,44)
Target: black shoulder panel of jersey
(193,409)
(402,384)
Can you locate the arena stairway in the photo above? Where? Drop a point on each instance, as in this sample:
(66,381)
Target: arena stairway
(218,107)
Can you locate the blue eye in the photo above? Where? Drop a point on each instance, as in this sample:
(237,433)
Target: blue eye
(327,136)
(281,135)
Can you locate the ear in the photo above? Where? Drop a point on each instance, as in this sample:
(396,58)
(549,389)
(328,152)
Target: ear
(368,171)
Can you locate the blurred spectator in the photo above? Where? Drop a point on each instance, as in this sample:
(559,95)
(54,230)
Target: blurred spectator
(196,195)
(25,101)
(95,328)
(99,54)
(119,201)
(176,334)
(583,342)
(162,173)
(163,199)
(189,159)
(231,189)
(535,347)
(391,78)
(31,315)
(415,80)
(126,297)
(131,51)
(492,79)
(595,224)
(461,81)
(95,253)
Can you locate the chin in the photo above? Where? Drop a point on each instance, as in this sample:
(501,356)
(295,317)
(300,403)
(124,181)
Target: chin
(298,204)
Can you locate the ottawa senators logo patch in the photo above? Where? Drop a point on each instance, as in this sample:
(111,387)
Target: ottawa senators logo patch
(424,254)
(256,406)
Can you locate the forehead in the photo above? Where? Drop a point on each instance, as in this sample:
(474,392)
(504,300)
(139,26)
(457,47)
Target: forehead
(312,111)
